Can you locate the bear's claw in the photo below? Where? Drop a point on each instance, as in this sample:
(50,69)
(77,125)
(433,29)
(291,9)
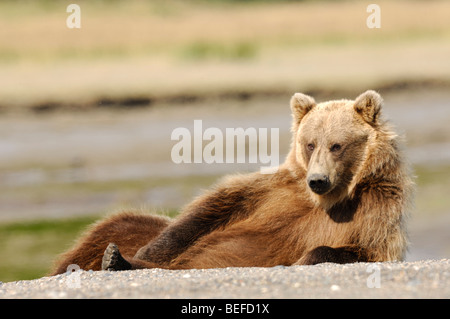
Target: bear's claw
(113,260)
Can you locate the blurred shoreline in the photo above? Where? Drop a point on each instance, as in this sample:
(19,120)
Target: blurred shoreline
(128,101)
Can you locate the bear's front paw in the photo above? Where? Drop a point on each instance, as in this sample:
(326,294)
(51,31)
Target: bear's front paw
(339,255)
(113,260)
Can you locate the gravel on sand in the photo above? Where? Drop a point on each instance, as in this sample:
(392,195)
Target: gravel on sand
(420,279)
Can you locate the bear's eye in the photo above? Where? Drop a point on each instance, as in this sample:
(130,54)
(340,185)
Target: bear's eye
(335,147)
(310,147)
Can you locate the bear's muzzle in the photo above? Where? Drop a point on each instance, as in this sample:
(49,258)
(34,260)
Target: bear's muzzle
(319,183)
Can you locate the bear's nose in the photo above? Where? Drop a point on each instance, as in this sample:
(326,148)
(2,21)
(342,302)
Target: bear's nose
(319,183)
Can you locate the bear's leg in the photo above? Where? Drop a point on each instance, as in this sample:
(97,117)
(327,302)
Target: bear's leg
(113,260)
(338,255)
(129,231)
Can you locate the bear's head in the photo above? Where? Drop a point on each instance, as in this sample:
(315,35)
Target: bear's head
(331,143)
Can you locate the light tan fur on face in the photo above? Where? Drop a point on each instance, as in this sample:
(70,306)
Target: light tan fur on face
(349,124)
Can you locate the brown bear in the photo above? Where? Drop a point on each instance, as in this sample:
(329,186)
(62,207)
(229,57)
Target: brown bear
(341,196)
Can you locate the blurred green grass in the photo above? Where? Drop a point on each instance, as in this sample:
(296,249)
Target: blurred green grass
(27,249)
(433,184)
(210,50)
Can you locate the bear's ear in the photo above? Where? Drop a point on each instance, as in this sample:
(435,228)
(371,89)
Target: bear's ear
(300,105)
(368,105)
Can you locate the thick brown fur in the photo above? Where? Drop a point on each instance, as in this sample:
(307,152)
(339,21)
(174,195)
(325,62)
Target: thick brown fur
(129,230)
(280,219)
